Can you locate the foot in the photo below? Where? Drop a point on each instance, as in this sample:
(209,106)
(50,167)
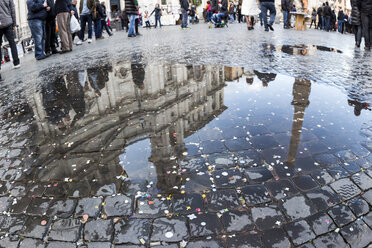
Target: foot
(138,34)
(55,51)
(367,48)
(100,38)
(17,66)
(131,36)
(357,45)
(42,57)
(89,41)
(271,27)
(79,42)
(266,29)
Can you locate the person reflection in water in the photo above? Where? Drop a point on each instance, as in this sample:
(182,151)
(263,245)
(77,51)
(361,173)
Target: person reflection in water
(358,106)
(98,78)
(76,83)
(266,78)
(56,103)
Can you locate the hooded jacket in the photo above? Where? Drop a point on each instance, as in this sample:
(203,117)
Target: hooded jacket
(365,6)
(36,10)
(7,14)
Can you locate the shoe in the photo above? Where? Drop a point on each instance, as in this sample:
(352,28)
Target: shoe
(100,38)
(42,57)
(357,45)
(17,66)
(186,28)
(271,27)
(67,51)
(89,41)
(367,48)
(138,34)
(80,42)
(131,36)
(55,52)
(266,29)
(111,34)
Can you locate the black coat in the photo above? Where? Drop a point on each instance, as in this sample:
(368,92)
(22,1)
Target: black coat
(224,7)
(131,7)
(184,4)
(340,15)
(52,12)
(327,11)
(365,6)
(214,5)
(355,13)
(63,6)
(287,5)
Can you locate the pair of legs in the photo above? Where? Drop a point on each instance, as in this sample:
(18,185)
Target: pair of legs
(9,34)
(285,18)
(98,29)
(132,23)
(268,6)
(157,20)
(184,18)
(328,26)
(367,29)
(84,19)
(50,36)
(340,26)
(313,21)
(104,25)
(250,22)
(148,25)
(63,21)
(357,30)
(37,28)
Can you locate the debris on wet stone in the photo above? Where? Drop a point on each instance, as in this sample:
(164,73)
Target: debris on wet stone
(223,199)
(188,203)
(351,167)
(98,230)
(19,205)
(204,225)
(61,208)
(118,205)
(239,144)
(255,195)
(284,171)
(169,230)
(79,189)
(345,188)
(133,231)
(259,175)
(359,150)
(267,217)
(237,221)
(357,234)
(35,227)
(248,158)
(196,164)
(299,232)
(231,178)
(282,188)
(89,206)
(323,198)
(275,238)
(327,159)
(341,214)
(346,155)
(321,223)
(38,206)
(152,207)
(331,240)
(65,230)
(244,240)
(338,172)
(297,207)
(304,183)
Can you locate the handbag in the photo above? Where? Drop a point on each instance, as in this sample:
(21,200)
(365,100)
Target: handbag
(74,25)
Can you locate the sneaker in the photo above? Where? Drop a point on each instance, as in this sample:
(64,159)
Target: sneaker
(79,42)
(271,27)
(17,66)
(89,41)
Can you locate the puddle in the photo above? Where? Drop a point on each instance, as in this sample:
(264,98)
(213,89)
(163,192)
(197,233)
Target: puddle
(304,50)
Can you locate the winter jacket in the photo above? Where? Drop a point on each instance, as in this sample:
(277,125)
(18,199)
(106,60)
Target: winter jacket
(91,4)
(184,4)
(52,12)
(224,7)
(214,5)
(355,13)
(365,6)
(99,12)
(63,6)
(7,14)
(313,15)
(157,11)
(286,5)
(340,16)
(327,11)
(131,7)
(36,10)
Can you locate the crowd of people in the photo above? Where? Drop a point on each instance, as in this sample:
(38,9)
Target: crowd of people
(47,17)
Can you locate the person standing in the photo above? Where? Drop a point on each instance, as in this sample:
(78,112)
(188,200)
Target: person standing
(87,11)
(313,18)
(209,11)
(103,20)
(319,13)
(231,12)
(131,8)
(366,16)
(124,20)
(50,30)
(286,7)
(76,14)
(7,25)
(250,10)
(340,21)
(64,12)
(157,11)
(327,16)
(356,22)
(184,8)
(37,14)
(98,21)
(239,11)
(265,6)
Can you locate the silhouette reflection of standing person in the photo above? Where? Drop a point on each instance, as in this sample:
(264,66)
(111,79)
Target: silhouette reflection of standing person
(358,106)
(138,76)
(98,76)
(76,94)
(266,78)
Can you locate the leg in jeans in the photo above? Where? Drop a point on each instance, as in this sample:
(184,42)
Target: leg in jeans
(9,34)
(132,20)
(184,18)
(97,29)
(366,29)
(264,14)
(37,31)
(272,9)
(357,30)
(220,16)
(285,18)
(83,23)
(323,23)
(160,21)
(104,24)
(156,21)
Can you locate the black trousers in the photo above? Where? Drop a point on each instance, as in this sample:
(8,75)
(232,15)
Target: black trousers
(9,34)
(136,24)
(313,21)
(50,35)
(367,28)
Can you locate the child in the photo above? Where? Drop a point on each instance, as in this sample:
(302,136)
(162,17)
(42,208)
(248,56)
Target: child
(146,19)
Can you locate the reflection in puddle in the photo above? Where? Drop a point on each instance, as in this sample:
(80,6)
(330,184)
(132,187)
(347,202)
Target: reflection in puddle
(303,50)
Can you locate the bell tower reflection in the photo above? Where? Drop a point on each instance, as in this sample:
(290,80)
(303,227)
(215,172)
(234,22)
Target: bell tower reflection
(301,93)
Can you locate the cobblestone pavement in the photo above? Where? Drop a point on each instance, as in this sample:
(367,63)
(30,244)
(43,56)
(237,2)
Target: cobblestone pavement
(203,138)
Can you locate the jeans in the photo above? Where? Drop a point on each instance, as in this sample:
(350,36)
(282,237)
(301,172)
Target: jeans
(9,34)
(322,21)
(357,30)
(209,16)
(84,19)
(37,28)
(104,25)
(232,18)
(157,19)
(328,23)
(217,17)
(271,7)
(184,18)
(313,21)
(132,21)
(285,18)
(340,25)
(98,29)
(367,28)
